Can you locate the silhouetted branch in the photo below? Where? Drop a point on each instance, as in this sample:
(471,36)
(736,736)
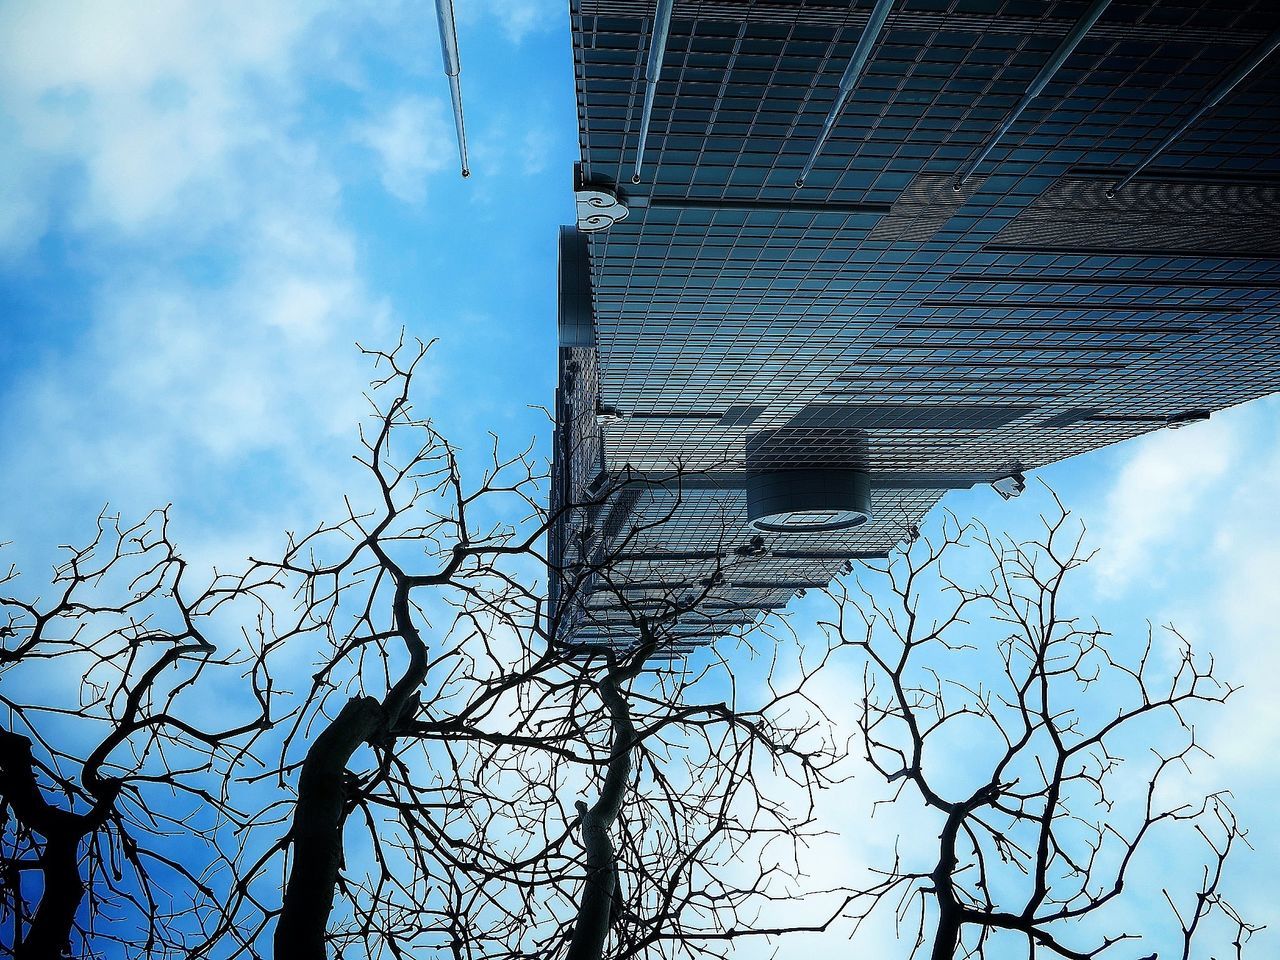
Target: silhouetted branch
(1019,851)
(122,640)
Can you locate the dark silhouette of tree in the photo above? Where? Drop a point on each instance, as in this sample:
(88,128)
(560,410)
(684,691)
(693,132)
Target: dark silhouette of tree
(425,762)
(404,605)
(1050,717)
(601,896)
(707,799)
(104,767)
(450,722)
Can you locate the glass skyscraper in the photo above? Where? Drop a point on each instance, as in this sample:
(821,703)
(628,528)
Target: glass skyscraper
(834,259)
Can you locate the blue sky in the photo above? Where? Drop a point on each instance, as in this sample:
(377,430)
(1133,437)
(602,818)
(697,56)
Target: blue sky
(204,206)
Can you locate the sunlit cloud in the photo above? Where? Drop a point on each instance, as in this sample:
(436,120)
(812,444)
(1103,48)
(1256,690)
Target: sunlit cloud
(413,139)
(1159,494)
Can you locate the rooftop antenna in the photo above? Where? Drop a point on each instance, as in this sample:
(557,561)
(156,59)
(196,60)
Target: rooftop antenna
(452,67)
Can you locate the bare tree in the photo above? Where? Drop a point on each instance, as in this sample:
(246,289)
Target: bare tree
(449,719)
(436,737)
(1047,717)
(691,792)
(435,763)
(413,606)
(699,809)
(105,763)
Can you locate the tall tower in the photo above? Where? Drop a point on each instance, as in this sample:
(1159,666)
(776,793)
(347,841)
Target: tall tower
(833,259)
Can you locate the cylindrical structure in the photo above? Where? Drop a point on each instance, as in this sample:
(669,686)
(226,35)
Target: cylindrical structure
(808,500)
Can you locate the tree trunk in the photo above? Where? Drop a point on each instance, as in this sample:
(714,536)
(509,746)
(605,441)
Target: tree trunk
(596,905)
(49,936)
(947,939)
(316,834)
(950,913)
(600,884)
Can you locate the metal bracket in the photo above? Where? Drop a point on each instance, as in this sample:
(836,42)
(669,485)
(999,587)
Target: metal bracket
(1010,486)
(607,416)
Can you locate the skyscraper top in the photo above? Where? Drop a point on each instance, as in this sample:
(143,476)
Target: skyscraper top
(883,250)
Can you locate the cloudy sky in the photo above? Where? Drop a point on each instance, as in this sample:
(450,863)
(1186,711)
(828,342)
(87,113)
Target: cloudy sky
(204,206)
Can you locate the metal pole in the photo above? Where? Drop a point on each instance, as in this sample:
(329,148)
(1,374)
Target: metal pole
(652,70)
(852,74)
(453,67)
(1065,49)
(1233,80)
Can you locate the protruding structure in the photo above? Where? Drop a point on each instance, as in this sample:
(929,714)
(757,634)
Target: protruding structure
(1220,93)
(652,70)
(1010,487)
(848,82)
(452,68)
(1177,421)
(808,501)
(1054,64)
(598,209)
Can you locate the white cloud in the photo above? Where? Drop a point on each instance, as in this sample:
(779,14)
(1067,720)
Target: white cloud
(413,139)
(1199,508)
(1160,493)
(22,214)
(1230,597)
(149,105)
(182,393)
(1193,514)
(156,137)
(518,18)
(508,146)
(536,150)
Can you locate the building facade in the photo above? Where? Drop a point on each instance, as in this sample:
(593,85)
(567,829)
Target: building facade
(836,258)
